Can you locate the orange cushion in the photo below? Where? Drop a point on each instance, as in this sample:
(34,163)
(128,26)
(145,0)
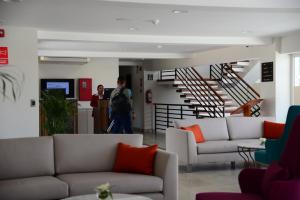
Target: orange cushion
(273,130)
(138,160)
(197,132)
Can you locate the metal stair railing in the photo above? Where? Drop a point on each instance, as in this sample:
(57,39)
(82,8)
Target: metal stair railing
(234,85)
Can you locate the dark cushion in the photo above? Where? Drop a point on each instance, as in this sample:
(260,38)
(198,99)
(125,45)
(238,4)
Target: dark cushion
(26,157)
(35,188)
(226,196)
(85,183)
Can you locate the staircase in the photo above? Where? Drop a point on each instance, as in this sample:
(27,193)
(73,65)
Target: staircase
(240,67)
(230,80)
(205,96)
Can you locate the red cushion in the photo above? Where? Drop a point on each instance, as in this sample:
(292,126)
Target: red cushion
(274,173)
(197,132)
(138,160)
(273,130)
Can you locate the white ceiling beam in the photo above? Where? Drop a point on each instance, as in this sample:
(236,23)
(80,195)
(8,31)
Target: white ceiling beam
(92,54)
(278,4)
(152,39)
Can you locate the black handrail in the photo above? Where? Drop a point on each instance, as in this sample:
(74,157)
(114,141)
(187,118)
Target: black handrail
(164,114)
(199,88)
(234,85)
(207,98)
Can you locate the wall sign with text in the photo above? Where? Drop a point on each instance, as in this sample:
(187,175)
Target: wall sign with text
(3,55)
(267,72)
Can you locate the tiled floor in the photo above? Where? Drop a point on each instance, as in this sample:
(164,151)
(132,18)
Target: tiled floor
(218,178)
(215,177)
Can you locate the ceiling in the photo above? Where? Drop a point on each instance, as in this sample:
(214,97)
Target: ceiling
(153,26)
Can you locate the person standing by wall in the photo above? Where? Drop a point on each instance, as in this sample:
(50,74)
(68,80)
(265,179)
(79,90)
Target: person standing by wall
(94,104)
(121,108)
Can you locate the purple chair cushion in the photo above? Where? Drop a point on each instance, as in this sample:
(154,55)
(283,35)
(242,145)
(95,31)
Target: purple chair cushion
(274,173)
(227,196)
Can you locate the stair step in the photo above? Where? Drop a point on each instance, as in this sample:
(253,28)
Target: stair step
(240,63)
(213,82)
(190,96)
(202,85)
(186,91)
(238,70)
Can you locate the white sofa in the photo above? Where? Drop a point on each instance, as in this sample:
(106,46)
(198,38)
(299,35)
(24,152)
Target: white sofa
(222,136)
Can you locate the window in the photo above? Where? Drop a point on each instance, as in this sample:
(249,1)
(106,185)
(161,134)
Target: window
(297,71)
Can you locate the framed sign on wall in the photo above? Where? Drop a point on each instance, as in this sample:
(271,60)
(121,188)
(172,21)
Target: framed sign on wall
(267,72)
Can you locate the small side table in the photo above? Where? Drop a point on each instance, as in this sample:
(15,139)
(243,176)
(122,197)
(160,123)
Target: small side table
(245,150)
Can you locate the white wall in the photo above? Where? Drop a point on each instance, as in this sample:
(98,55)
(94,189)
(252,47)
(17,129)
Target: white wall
(291,43)
(102,71)
(282,85)
(274,103)
(19,119)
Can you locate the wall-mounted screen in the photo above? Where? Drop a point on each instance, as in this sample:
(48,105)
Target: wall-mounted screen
(67,85)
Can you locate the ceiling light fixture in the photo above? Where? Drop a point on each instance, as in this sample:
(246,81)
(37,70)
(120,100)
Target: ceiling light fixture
(246,31)
(155,21)
(9,1)
(133,29)
(179,11)
(122,19)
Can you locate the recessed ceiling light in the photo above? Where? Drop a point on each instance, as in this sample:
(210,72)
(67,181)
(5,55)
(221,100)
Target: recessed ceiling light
(179,11)
(246,31)
(159,46)
(133,29)
(122,19)
(8,1)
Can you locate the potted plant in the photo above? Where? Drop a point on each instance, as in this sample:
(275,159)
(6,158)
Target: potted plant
(104,191)
(57,111)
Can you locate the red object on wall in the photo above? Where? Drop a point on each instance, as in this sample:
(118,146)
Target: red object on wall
(85,89)
(3,55)
(2,32)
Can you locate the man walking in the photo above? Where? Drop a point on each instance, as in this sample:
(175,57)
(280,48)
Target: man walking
(121,107)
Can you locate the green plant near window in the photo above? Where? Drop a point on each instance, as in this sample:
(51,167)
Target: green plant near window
(57,111)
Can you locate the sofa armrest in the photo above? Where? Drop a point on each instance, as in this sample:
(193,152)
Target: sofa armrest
(182,143)
(285,190)
(166,167)
(250,180)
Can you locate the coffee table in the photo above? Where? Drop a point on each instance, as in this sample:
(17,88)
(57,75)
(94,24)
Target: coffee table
(115,197)
(246,149)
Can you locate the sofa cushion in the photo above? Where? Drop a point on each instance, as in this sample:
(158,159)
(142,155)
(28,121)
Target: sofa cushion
(273,130)
(139,160)
(85,183)
(246,127)
(196,131)
(89,153)
(35,188)
(26,157)
(226,146)
(212,128)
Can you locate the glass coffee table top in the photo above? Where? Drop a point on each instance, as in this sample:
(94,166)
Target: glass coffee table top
(115,197)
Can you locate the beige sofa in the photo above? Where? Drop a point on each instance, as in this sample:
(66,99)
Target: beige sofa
(222,136)
(68,165)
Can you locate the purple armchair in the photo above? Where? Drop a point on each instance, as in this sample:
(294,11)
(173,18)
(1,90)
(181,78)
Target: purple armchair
(279,181)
